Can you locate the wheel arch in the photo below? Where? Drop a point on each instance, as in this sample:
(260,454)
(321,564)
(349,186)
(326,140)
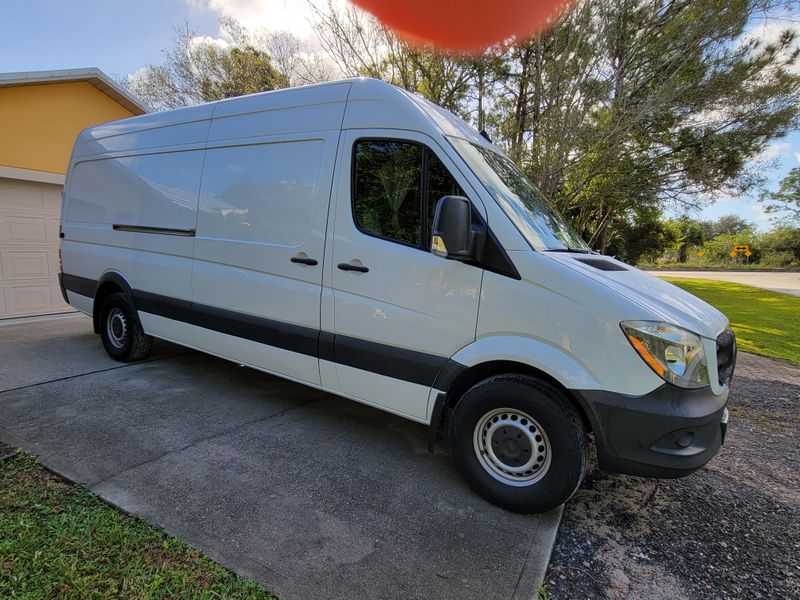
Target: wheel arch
(110,283)
(507,355)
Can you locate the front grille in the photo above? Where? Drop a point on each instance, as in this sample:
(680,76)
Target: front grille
(726,356)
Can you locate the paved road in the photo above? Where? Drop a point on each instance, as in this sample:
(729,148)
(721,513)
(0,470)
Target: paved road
(787,283)
(311,495)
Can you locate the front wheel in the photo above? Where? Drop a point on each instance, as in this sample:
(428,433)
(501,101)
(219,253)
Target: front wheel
(122,334)
(519,443)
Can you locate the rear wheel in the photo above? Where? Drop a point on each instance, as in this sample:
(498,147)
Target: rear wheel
(519,443)
(120,329)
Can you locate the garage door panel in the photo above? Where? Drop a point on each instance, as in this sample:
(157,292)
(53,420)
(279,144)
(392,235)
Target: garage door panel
(25,265)
(52,266)
(51,230)
(30,299)
(51,199)
(29,220)
(22,230)
(23,195)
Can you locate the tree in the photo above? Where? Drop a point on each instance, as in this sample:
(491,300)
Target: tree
(732,224)
(623,106)
(643,236)
(628,103)
(360,45)
(690,233)
(783,240)
(199,69)
(785,202)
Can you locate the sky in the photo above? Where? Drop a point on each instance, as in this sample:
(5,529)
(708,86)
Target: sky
(122,36)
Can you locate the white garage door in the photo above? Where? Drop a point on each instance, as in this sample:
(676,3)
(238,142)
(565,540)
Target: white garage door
(29,216)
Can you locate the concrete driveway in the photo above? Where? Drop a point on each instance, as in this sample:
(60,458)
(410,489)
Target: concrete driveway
(776,281)
(311,495)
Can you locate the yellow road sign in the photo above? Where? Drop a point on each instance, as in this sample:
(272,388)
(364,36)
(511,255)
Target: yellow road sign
(748,253)
(701,253)
(733,253)
(742,248)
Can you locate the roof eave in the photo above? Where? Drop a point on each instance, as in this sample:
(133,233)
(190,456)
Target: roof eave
(91,75)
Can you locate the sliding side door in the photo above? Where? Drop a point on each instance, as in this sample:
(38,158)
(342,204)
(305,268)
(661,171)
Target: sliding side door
(259,251)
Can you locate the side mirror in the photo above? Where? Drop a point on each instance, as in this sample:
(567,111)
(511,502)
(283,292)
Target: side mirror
(452,228)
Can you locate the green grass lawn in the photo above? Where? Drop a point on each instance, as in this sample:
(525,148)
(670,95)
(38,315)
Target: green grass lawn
(59,541)
(766,323)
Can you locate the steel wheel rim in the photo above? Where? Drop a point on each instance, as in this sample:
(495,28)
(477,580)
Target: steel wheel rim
(512,447)
(117,328)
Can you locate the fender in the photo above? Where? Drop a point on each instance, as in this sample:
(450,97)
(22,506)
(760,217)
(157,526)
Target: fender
(539,354)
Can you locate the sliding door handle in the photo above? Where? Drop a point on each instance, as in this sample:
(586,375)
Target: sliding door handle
(351,267)
(303,260)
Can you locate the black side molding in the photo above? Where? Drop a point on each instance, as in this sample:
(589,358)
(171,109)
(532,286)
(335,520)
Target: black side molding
(78,285)
(163,306)
(326,345)
(158,230)
(399,363)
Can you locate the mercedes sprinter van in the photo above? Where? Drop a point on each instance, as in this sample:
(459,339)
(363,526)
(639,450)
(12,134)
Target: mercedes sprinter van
(353,237)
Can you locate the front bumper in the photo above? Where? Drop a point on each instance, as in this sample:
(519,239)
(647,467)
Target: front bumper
(670,432)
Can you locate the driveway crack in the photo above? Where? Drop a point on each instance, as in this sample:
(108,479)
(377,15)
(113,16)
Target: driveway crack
(68,377)
(200,440)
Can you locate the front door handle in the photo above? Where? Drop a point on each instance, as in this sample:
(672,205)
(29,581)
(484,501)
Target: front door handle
(349,267)
(303,260)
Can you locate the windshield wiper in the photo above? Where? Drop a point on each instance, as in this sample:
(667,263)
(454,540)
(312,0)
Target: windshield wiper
(568,249)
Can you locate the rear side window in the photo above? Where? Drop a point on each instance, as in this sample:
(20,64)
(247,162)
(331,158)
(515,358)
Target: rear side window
(395,183)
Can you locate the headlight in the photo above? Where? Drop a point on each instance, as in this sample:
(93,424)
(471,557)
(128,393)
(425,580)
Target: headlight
(675,354)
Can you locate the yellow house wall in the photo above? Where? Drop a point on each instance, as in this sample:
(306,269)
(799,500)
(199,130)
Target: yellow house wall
(39,123)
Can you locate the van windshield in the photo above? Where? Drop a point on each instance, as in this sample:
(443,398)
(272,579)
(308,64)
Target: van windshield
(543,227)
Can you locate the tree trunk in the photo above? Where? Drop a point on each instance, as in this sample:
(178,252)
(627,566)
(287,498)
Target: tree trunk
(481,118)
(521,109)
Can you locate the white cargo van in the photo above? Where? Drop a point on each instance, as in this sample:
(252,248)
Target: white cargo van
(355,238)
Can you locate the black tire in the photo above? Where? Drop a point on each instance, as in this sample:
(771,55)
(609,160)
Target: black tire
(120,329)
(491,405)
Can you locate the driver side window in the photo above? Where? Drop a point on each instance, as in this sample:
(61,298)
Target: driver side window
(395,183)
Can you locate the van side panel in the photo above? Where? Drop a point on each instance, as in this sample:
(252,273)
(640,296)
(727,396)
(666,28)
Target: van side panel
(261,205)
(289,112)
(155,190)
(155,130)
(109,200)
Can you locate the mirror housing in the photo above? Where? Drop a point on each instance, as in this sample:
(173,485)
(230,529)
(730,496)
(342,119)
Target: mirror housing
(451,235)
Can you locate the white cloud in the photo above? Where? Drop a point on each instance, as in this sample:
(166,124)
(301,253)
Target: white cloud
(136,76)
(761,214)
(768,31)
(200,40)
(774,150)
(797,156)
(273,15)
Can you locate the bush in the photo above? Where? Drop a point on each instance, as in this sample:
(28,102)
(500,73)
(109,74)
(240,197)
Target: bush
(782,240)
(780,260)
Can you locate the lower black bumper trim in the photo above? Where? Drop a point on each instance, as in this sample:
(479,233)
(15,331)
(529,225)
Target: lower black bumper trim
(79,285)
(667,433)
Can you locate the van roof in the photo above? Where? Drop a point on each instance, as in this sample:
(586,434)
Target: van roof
(371,103)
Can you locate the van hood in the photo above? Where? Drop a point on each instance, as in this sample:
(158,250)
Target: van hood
(665,301)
